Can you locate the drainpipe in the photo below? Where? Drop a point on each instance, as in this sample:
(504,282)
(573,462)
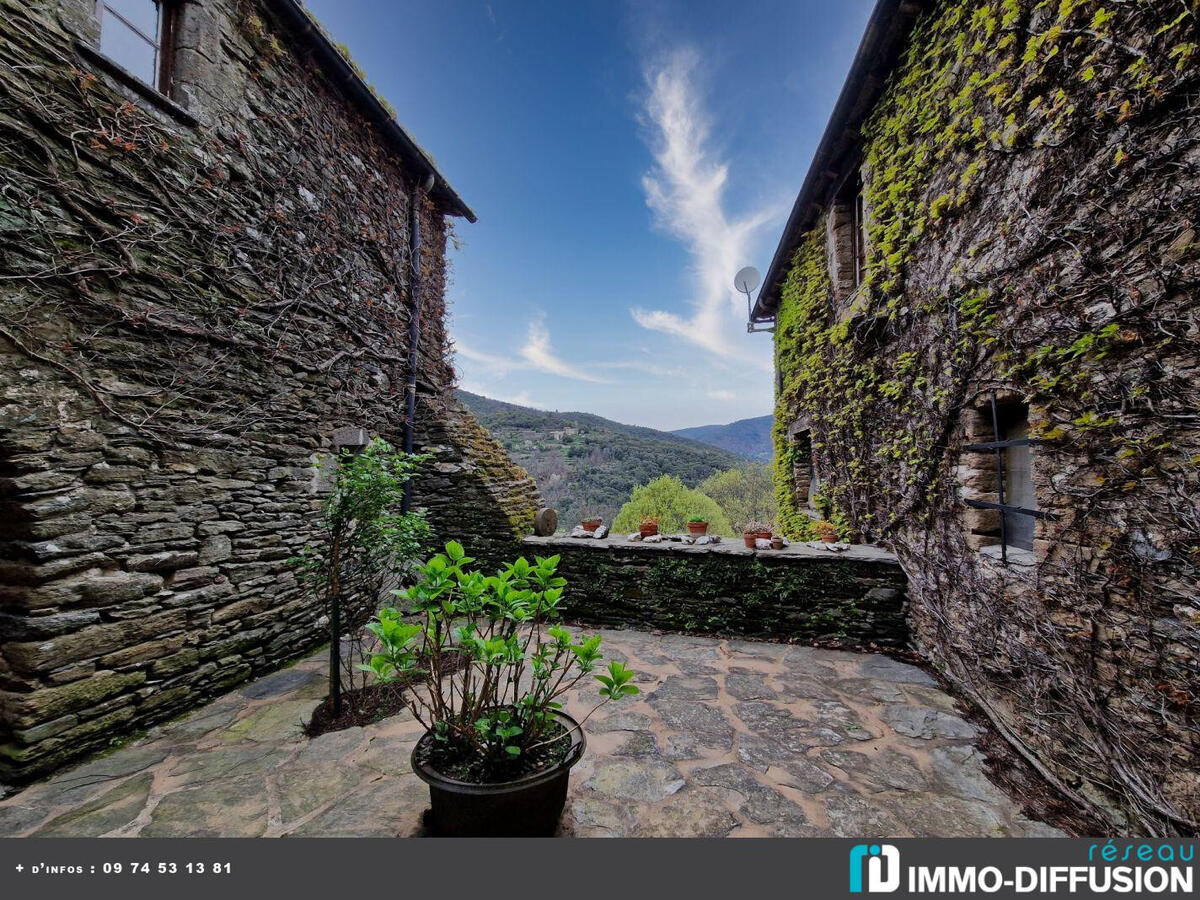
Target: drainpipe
(414,323)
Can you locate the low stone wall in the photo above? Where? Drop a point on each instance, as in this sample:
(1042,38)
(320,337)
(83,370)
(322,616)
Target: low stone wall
(855,597)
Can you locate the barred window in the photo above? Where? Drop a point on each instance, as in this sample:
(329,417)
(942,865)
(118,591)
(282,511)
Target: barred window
(997,477)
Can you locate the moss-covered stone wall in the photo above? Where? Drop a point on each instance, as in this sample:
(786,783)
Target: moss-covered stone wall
(1030,180)
(855,599)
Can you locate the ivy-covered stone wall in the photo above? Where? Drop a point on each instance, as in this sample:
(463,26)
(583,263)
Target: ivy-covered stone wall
(1030,181)
(187,313)
(851,599)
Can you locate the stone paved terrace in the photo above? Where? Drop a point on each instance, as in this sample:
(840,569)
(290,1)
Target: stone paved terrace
(729,737)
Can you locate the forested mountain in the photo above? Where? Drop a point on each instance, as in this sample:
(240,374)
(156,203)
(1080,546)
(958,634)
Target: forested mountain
(588,465)
(748,437)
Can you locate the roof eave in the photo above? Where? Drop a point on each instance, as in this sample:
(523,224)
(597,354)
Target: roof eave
(343,74)
(878,51)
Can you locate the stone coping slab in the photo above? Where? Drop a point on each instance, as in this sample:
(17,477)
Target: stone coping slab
(728,547)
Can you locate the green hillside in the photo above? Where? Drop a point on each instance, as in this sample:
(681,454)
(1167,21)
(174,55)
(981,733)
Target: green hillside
(586,464)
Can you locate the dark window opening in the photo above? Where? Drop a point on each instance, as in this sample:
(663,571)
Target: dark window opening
(998,476)
(859,234)
(804,468)
(851,246)
(139,35)
(1013,425)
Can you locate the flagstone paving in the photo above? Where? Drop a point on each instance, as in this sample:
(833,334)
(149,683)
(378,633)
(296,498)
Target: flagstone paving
(728,738)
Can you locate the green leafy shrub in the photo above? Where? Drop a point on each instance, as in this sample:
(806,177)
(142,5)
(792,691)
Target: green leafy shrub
(492,718)
(668,500)
(364,546)
(745,493)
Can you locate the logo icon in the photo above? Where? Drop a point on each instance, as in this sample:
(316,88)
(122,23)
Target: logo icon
(878,857)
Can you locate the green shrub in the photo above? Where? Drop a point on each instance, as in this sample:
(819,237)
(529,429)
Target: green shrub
(363,546)
(744,494)
(668,500)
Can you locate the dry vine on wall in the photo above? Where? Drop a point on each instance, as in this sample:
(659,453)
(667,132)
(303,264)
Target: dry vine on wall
(1030,182)
(153,269)
(186,315)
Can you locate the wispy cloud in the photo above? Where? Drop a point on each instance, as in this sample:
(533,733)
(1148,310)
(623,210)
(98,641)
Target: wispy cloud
(537,354)
(643,367)
(686,192)
(521,398)
(495,365)
(723,396)
(541,356)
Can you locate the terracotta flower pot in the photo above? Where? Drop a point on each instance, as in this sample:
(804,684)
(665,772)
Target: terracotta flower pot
(697,527)
(829,537)
(592,524)
(750,537)
(648,530)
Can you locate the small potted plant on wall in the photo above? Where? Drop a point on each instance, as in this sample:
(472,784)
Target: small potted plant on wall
(498,749)
(591,523)
(648,526)
(825,531)
(753,531)
(697,525)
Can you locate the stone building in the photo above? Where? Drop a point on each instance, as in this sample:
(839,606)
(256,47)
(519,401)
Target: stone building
(220,257)
(987,349)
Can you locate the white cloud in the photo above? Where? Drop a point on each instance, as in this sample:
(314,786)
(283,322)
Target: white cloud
(521,398)
(685,190)
(643,367)
(724,396)
(538,353)
(496,365)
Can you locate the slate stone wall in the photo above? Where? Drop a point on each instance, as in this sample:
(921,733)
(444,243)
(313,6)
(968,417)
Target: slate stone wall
(852,599)
(1030,174)
(187,314)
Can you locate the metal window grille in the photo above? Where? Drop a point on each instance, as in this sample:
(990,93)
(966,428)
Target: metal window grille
(998,446)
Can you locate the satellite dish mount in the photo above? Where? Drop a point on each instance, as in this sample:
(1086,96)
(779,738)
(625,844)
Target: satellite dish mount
(746,281)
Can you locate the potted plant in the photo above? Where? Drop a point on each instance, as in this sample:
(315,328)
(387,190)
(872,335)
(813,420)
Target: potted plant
(498,749)
(752,531)
(825,531)
(697,525)
(649,526)
(591,523)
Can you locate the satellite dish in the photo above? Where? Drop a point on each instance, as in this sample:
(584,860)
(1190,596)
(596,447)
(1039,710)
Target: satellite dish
(747,279)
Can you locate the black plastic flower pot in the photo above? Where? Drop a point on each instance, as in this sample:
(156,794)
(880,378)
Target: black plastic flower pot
(526,807)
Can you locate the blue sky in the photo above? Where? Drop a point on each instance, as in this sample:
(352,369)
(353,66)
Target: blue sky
(624,159)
